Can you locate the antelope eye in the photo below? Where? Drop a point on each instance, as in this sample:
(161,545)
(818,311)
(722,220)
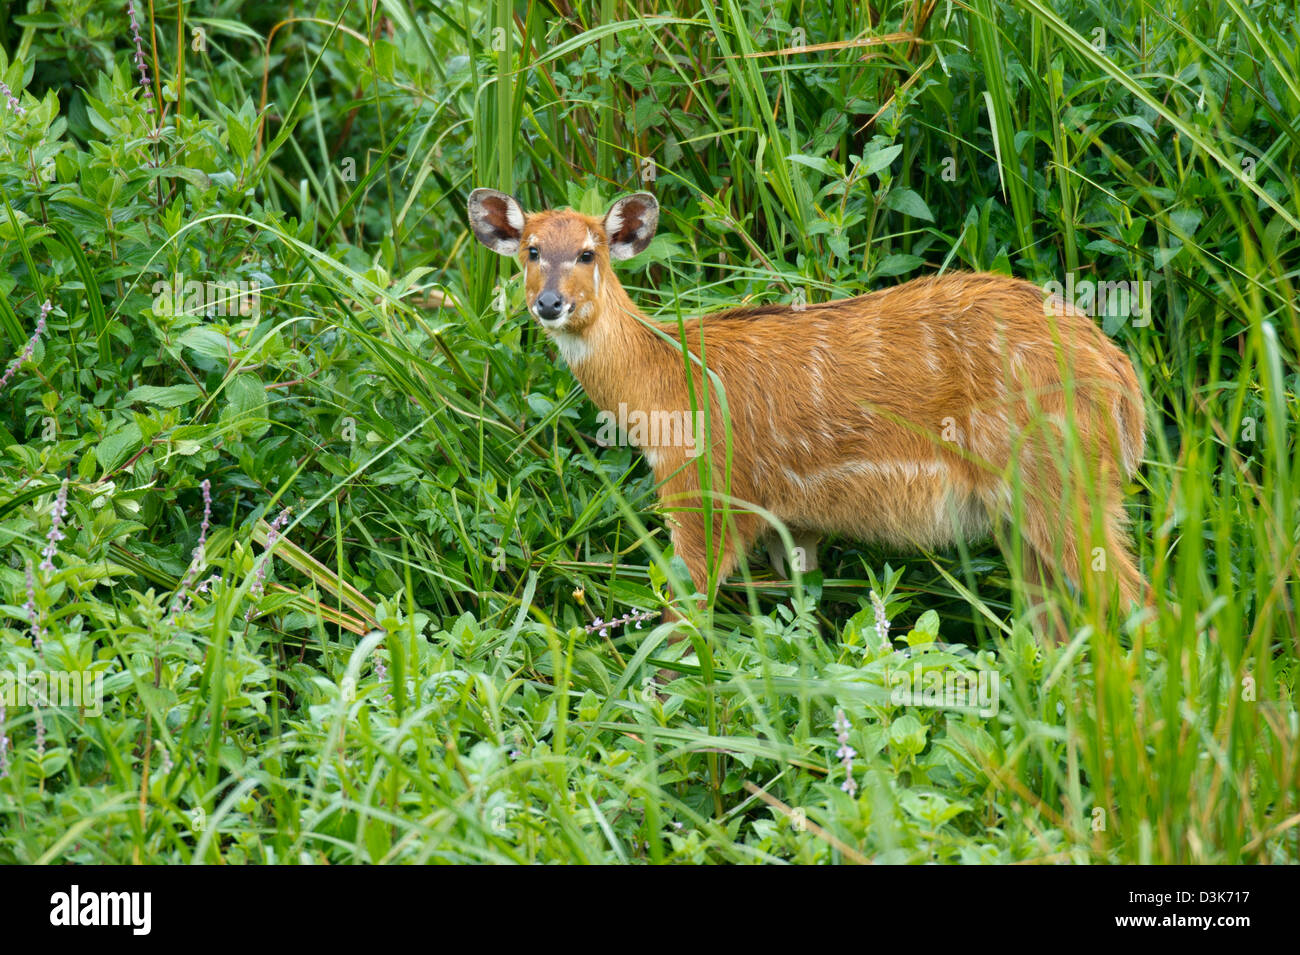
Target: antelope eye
(587,256)
(533,253)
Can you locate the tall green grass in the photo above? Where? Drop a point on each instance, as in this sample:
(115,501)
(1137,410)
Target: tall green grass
(417,683)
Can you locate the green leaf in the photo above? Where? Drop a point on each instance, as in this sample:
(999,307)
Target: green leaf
(172,396)
(208,342)
(878,159)
(928,623)
(1139,122)
(909,204)
(241,144)
(195,177)
(908,734)
(246,406)
(897,264)
(824,166)
(647,112)
(117,446)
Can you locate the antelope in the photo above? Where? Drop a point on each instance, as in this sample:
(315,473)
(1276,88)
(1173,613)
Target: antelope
(915,416)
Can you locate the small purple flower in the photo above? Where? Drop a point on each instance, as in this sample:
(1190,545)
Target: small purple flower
(56,523)
(846,752)
(139,55)
(11,100)
(40,731)
(31,345)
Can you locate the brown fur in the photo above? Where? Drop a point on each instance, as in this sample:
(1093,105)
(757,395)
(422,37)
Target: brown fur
(904,416)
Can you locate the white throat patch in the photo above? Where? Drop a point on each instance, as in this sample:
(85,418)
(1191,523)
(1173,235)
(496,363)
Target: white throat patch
(574,349)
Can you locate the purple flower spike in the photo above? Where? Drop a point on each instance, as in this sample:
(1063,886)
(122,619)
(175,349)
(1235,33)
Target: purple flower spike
(56,522)
(139,55)
(40,731)
(882,621)
(33,615)
(11,100)
(636,616)
(166,766)
(31,346)
(259,580)
(846,752)
(184,598)
(207,511)
(4,741)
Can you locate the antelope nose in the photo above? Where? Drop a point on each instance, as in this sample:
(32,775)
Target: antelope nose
(548,306)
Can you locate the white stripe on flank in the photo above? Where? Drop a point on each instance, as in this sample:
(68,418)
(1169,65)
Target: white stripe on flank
(909,471)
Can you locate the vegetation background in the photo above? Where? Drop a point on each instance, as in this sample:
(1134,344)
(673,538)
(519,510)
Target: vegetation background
(429,666)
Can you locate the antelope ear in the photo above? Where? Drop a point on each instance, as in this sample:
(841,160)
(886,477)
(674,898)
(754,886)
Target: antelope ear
(497,220)
(630,224)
